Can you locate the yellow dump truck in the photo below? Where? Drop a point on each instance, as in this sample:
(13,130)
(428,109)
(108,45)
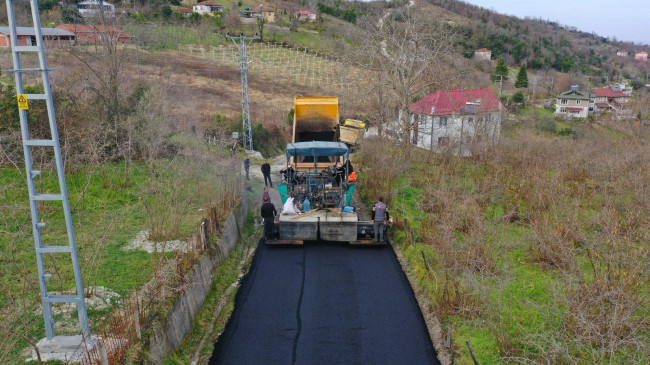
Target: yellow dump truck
(350,131)
(315,118)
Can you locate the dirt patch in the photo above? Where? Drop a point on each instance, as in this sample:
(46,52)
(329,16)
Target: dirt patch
(142,242)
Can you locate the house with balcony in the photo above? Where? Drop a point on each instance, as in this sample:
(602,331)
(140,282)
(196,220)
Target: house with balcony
(573,103)
(610,99)
(461,121)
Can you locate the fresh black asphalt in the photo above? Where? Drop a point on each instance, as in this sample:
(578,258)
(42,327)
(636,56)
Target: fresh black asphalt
(325,303)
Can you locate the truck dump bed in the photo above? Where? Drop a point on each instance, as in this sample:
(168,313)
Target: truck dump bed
(315,118)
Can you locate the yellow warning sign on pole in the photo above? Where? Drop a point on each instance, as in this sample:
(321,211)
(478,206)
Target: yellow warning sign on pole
(22,101)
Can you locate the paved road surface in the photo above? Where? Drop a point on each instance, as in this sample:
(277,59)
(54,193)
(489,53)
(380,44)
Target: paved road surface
(325,304)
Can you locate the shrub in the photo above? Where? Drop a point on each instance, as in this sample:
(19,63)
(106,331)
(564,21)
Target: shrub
(546,123)
(518,98)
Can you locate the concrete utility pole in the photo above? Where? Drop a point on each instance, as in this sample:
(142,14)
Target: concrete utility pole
(247,130)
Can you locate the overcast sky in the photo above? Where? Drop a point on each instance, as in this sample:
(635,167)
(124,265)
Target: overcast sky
(627,20)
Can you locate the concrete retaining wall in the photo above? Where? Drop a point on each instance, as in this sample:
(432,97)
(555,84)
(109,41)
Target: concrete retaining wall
(168,335)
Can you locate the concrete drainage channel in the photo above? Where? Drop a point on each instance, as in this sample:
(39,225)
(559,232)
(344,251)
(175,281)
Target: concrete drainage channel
(223,299)
(167,337)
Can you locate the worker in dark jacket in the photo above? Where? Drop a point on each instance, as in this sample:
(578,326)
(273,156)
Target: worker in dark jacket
(266,171)
(247,165)
(268,213)
(379,217)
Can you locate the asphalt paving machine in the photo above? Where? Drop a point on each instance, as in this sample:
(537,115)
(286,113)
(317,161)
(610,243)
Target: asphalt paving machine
(316,181)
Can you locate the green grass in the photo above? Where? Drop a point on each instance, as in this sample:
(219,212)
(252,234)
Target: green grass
(169,36)
(107,212)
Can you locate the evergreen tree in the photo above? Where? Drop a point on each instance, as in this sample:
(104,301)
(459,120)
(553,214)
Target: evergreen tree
(500,69)
(522,77)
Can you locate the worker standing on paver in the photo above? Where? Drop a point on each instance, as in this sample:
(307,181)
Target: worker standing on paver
(268,213)
(247,165)
(379,214)
(266,171)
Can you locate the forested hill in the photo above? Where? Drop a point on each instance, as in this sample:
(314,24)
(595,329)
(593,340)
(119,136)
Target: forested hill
(541,44)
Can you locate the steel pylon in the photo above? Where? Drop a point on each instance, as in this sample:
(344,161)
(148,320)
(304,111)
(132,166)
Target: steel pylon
(247,129)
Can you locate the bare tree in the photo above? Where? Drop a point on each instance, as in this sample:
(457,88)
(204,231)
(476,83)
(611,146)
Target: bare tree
(261,22)
(231,20)
(105,65)
(410,55)
(148,128)
(204,26)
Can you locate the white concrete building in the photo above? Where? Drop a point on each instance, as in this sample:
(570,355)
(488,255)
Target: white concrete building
(460,121)
(92,8)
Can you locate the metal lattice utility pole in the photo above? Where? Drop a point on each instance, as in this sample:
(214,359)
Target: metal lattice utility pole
(36,197)
(241,42)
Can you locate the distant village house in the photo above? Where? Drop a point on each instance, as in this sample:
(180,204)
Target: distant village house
(461,121)
(612,99)
(482,54)
(94,8)
(573,103)
(265,13)
(641,56)
(307,16)
(621,53)
(261,12)
(185,11)
(85,34)
(26,36)
(206,7)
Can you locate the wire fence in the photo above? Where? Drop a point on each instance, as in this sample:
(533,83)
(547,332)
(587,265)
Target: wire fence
(280,60)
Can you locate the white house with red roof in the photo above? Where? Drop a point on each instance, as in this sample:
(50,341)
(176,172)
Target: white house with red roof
(207,7)
(641,56)
(306,16)
(482,54)
(459,120)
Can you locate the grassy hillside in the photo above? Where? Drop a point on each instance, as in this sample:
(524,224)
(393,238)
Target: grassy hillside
(536,252)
